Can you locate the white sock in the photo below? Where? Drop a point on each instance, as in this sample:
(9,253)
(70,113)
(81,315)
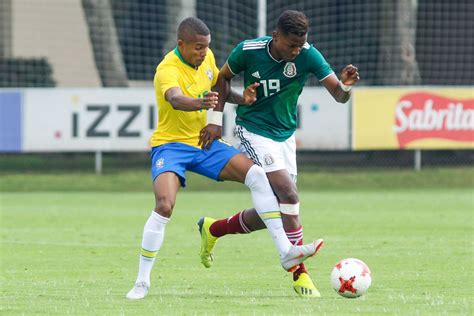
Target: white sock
(267,207)
(153,234)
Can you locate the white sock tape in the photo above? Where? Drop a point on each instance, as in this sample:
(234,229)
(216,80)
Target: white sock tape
(290,209)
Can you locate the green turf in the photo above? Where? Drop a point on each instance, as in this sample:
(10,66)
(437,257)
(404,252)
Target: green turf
(138,180)
(77,253)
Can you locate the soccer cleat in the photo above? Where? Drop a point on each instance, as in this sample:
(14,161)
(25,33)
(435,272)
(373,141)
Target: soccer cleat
(207,241)
(305,287)
(139,291)
(298,254)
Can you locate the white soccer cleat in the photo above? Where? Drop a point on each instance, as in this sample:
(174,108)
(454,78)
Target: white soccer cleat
(139,291)
(298,254)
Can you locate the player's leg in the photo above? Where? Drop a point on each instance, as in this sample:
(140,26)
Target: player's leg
(243,222)
(168,169)
(277,159)
(248,220)
(215,164)
(165,187)
(211,229)
(284,184)
(266,205)
(242,169)
(223,162)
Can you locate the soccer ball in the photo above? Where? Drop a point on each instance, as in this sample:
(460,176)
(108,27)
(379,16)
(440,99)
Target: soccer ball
(351,278)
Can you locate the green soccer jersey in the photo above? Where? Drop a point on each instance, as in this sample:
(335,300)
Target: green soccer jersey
(274,113)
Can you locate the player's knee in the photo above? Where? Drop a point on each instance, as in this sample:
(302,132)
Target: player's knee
(256,178)
(289,197)
(164,207)
(287,193)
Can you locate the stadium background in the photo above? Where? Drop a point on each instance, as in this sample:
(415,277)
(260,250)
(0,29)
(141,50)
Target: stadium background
(119,43)
(69,238)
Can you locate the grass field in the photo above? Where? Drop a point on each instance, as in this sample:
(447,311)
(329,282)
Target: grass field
(76,252)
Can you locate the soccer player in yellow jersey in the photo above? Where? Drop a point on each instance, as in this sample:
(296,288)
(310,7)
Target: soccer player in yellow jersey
(183,83)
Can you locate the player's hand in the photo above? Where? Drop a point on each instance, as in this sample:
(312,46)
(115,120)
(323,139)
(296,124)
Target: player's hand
(209,100)
(250,93)
(350,75)
(208,134)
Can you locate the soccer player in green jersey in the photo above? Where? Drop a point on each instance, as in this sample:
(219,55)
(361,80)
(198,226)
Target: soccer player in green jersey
(275,68)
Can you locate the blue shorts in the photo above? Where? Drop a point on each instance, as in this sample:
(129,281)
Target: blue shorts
(179,157)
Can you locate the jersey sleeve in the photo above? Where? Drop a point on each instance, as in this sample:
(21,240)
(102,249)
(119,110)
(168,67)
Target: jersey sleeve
(317,64)
(166,77)
(236,60)
(215,70)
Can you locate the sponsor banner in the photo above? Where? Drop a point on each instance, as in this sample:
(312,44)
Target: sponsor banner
(84,119)
(88,119)
(323,124)
(10,121)
(425,118)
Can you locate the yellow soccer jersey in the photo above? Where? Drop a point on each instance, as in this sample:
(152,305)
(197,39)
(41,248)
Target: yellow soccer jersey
(174,71)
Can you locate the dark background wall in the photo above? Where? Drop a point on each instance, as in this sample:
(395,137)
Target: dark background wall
(345,31)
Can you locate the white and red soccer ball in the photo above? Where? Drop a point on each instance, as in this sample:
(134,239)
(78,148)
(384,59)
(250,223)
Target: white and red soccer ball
(351,278)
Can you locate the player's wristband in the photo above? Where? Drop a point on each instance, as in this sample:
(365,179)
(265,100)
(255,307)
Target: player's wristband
(215,118)
(344,87)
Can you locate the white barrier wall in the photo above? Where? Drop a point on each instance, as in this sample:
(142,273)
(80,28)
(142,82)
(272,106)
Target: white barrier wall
(73,120)
(88,120)
(323,124)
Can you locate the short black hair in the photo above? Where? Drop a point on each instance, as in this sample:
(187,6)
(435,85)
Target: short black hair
(192,26)
(293,22)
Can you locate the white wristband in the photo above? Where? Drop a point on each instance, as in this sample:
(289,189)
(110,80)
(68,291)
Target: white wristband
(215,118)
(344,87)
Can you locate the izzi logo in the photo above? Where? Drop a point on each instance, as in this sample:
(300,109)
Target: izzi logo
(101,112)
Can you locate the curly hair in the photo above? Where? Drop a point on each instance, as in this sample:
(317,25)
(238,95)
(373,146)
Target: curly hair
(293,22)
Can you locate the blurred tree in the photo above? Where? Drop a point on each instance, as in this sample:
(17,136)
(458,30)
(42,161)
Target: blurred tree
(178,11)
(6,29)
(103,35)
(397,63)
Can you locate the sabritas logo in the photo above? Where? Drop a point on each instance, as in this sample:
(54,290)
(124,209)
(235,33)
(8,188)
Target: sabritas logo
(429,116)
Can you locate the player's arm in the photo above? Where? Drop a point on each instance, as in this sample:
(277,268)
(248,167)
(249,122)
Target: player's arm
(250,92)
(247,98)
(213,130)
(223,87)
(341,89)
(184,103)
